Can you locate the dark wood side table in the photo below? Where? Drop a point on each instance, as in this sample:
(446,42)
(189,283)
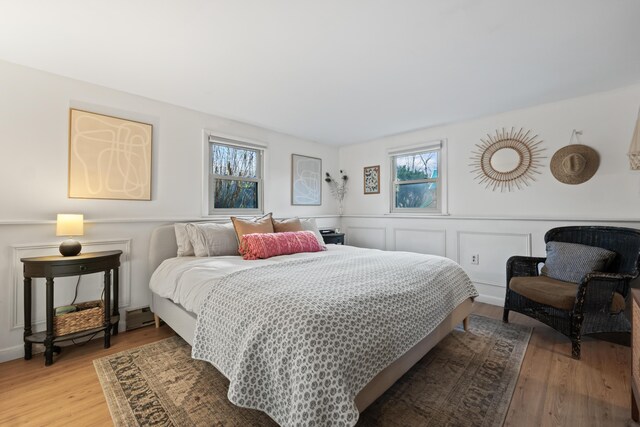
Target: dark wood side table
(635,353)
(59,266)
(333,238)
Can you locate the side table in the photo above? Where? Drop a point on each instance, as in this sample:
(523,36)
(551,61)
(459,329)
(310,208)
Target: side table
(333,238)
(50,267)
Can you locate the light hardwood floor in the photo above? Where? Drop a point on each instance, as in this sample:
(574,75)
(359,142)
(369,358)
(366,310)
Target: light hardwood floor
(552,390)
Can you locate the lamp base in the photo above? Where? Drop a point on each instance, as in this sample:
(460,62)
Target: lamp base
(70,247)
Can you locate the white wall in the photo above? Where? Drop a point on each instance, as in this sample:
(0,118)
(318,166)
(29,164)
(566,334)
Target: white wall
(34,109)
(606,119)
(492,224)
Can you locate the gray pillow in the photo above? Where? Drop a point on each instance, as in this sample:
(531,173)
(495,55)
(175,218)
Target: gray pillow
(211,239)
(309,224)
(570,262)
(185,248)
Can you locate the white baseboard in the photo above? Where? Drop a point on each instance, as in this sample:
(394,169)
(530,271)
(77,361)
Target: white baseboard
(11,353)
(491,300)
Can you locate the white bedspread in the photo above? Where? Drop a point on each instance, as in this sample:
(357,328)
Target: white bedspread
(188,280)
(299,336)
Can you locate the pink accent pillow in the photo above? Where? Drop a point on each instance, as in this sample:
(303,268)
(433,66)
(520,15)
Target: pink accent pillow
(266,245)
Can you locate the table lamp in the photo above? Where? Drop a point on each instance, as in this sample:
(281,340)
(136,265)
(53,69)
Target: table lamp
(70,225)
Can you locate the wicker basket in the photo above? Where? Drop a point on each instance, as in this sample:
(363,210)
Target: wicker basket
(88,315)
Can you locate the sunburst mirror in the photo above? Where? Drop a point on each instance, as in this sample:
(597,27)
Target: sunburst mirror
(507,160)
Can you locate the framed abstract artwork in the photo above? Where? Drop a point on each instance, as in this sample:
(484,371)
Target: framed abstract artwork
(372,179)
(109,157)
(306,180)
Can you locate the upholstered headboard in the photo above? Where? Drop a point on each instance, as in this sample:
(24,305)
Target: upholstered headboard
(163,245)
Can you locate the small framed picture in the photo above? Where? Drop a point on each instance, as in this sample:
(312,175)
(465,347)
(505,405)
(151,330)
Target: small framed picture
(372,179)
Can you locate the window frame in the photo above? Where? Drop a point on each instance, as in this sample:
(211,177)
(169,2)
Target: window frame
(438,146)
(209,177)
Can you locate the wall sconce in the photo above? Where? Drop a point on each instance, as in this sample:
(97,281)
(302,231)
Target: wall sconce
(70,225)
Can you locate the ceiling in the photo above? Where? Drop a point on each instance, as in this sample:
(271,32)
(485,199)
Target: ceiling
(333,71)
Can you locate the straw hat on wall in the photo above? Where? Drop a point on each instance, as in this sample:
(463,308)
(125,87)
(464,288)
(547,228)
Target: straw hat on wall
(575,164)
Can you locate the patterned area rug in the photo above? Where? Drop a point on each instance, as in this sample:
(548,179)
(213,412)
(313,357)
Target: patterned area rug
(466,380)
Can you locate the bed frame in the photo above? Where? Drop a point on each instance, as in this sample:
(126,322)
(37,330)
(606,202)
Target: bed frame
(163,246)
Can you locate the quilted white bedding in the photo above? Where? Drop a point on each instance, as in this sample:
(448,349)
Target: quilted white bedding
(299,336)
(188,280)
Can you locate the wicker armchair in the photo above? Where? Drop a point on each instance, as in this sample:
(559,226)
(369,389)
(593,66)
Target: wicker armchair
(592,309)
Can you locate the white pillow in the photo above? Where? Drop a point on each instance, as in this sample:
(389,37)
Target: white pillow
(210,239)
(309,224)
(185,248)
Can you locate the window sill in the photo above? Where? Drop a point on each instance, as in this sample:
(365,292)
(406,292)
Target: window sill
(231,212)
(399,215)
(416,214)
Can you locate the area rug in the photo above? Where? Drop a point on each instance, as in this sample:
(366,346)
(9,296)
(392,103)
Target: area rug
(466,380)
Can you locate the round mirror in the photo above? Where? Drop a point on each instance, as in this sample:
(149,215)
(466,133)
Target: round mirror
(505,160)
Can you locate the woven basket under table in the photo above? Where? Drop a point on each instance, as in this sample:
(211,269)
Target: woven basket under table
(88,315)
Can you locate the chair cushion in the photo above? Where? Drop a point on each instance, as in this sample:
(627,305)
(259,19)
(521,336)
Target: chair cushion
(570,262)
(555,293)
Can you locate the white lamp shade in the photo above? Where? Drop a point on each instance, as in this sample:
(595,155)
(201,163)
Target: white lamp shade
(70,225)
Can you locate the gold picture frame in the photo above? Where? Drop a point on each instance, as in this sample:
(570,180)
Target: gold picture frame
(371,178)
(109,157)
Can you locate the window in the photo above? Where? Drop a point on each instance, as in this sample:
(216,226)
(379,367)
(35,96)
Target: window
(235,177)
(417,184)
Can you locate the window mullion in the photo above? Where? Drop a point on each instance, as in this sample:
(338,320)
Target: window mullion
(416,181)
(235,178)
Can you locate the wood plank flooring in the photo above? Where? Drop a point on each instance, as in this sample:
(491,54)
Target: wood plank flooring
(552,390)
(555,390)
(68,392)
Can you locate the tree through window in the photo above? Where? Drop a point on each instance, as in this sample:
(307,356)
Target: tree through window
(416,181)
(235,178)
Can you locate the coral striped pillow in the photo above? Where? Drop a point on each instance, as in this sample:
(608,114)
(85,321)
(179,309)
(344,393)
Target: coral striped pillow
(266,245)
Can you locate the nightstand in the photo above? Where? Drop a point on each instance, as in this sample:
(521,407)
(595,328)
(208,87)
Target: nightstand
(61,266)
(333,238)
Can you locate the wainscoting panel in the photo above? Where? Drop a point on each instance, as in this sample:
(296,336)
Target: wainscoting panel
(90,287)
(366,237)
(432,242)
(491,251)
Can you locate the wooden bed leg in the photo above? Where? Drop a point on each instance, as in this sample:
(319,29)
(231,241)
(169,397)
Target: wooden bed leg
(156,318)
(465,323)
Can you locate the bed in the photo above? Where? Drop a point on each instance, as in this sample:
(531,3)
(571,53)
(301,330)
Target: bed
(182,287)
